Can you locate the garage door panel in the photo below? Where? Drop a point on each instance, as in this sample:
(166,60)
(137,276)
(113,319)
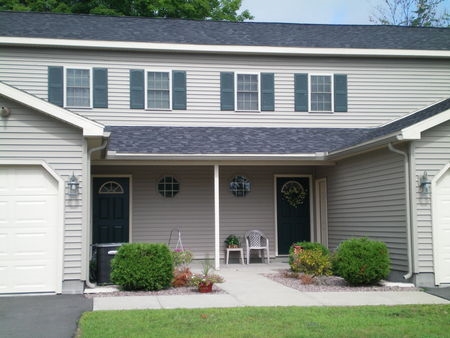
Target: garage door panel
(28,230)
(30,278)
(442,229)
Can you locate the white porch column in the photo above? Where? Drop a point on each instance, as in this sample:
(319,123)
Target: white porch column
(216,218)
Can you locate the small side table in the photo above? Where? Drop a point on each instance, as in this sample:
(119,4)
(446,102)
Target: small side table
(240,250)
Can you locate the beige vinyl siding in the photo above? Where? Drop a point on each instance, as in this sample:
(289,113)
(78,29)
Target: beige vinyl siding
(379,89)
(192,209)
(366,198)
(27,134)
(431,154)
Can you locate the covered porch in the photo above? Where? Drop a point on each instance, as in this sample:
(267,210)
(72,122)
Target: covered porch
(207,202)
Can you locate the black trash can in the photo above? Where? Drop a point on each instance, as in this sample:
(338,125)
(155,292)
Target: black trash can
(105,253)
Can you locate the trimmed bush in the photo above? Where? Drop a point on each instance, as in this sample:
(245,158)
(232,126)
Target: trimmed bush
(361,261)
(311,262)
(309,246)
(142,266)
(310,258)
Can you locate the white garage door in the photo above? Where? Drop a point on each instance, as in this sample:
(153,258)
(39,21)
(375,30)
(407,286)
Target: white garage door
(441,225)
(28,230)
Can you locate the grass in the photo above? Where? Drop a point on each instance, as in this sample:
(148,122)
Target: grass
(364,321)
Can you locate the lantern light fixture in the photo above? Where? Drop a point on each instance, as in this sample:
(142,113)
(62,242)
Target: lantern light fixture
(73,185)
(425,184)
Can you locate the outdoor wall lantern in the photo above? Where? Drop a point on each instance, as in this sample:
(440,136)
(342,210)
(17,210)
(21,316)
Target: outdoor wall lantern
(5,112)
(73,185)
(425,183)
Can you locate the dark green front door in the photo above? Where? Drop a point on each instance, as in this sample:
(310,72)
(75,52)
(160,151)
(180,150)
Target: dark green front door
(293,212)
(111,210)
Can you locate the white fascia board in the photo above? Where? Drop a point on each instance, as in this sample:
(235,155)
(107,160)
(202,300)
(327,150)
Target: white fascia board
(90,128)
(414,132)
(361,147)
(112,155)
(221,49)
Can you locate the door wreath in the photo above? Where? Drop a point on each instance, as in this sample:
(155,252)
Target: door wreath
(294,193)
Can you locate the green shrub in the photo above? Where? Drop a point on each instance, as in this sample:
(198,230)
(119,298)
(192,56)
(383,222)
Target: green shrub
(306,246)
(310,246)
(361,261)
(142,266)
(311,262)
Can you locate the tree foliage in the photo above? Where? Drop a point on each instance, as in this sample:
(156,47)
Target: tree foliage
(228,10)
(418,13)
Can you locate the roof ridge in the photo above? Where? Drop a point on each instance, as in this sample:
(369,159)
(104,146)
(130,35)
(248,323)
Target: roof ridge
(222,21)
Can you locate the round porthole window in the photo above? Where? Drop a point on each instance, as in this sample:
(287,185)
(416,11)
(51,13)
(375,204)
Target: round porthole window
(168,186)
(240,186)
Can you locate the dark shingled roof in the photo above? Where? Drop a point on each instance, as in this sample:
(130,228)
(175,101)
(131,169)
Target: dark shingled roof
(227,140)
(262,141)
(138,29)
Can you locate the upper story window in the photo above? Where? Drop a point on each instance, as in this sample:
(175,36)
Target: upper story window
(78,87)
(247,92)
(75,87)
(321,93)
(158,90)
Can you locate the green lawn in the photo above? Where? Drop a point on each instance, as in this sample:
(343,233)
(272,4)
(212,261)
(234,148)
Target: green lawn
(367,321)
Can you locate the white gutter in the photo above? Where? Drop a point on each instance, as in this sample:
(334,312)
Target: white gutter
(220,49)
(408,209)
(88,205)
(112,155)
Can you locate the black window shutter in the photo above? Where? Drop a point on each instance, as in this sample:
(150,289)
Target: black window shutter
(56,85)
(100,88)
(340,93)
(227,91)
(267,92)
(137,87)
(301,92)
(179,90)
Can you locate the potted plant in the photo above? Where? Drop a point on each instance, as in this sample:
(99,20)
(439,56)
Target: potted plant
(232,241)
(205,280)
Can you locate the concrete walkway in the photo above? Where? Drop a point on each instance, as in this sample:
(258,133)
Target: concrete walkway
(245,286)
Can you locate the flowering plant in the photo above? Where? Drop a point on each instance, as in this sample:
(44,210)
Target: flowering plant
(181,258)
(205,278)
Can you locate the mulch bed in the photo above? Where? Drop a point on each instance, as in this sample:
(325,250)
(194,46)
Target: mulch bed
(327,283)
(285,277)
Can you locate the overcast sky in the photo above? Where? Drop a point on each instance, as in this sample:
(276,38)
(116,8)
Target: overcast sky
(314,11)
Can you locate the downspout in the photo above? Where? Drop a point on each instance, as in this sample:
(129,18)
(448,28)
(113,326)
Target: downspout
(408,209)
(88,206)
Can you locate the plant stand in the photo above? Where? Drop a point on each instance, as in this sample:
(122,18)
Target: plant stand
(240,250)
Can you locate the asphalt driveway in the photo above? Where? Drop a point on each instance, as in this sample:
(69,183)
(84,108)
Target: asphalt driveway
(440,292)
(53,316)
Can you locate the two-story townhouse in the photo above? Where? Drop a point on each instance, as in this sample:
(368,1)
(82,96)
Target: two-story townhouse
(118,129)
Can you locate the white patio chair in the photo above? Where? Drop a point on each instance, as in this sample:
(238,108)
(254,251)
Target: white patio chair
(256,240)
